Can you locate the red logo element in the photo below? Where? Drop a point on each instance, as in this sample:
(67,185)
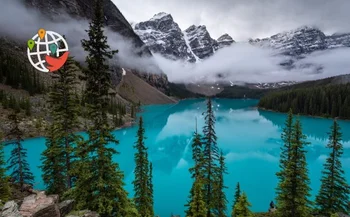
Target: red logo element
(56,63)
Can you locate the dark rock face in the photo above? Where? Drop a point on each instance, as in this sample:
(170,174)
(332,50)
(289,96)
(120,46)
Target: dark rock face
(303,41)
(224,41)
(66,207)
(164,36)
(201,44)
(296,42)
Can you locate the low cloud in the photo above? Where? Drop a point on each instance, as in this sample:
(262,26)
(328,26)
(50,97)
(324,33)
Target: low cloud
(21,23)
(238,63)
(243,62)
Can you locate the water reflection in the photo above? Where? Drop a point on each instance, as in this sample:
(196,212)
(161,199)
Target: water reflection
(249,138)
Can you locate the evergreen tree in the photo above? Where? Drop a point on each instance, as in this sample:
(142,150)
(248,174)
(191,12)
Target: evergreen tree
(141,182)
(5,191)
(219,194)
(210,156)
(241,208)
(150,189)
(236,198)
(18,159)
(294,191)
(287,136)
(197,207)
(62,139)
(333,196)
(196,171)
(53,164)
(100,187)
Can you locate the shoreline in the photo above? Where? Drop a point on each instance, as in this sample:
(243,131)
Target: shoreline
(305,115)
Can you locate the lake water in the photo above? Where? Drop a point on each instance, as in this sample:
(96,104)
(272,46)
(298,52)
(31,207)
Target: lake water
(249,138)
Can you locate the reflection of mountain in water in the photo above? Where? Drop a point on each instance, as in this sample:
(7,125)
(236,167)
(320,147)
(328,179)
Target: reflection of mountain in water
(240,128)
(312,127)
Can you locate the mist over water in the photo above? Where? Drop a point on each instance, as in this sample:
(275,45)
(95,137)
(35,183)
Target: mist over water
(249,138)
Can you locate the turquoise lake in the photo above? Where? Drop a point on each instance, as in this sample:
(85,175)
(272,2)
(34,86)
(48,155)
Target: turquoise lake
(249,138)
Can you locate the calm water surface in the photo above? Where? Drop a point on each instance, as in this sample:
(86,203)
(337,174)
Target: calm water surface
(249,138)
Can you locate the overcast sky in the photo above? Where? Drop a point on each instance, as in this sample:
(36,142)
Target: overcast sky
(244,19)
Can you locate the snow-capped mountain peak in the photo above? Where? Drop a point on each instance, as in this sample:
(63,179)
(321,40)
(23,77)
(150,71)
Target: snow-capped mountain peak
(163,35)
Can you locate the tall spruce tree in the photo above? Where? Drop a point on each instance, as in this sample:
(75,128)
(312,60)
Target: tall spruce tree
(101,185)
(196,173)
(210,156)
(236,198)
(53,164)
(5,191)
(241,208)
(219,186)
(61,138)
(197,206)
(333,196)
(292,198)
(150,189)
(141,182)
(17,162)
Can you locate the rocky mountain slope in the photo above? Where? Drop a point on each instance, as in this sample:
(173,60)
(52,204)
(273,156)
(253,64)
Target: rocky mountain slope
(302,41)
(163,36)
(114,19)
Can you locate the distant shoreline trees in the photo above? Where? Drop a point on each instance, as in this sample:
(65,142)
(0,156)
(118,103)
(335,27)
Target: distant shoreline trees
(326,101)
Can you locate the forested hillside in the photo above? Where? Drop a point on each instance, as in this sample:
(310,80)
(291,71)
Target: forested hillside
(324,100)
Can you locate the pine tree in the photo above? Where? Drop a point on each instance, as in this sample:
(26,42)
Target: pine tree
(218,192)
(292,198)
(53,164)
(236,198)
(5,191)
(241,208)
(333,196)
(196,171)
(150,189)
(197,207)
(101,186)
(141,182)
(62,139)
(17,161)
(210,157)
(286,136)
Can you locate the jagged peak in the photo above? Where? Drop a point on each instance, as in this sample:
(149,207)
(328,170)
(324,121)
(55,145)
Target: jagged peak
(194,27)
(161,15)
(225,37)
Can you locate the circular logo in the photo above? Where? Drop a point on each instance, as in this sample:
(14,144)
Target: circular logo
(47,51)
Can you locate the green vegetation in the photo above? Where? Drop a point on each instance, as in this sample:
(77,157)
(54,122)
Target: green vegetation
(236,198)
(241,92)
(59,157)
(16,103)
(18,75)
(241,208)
(334,193)
(180,91)
(18,164)
(327,101)
(5,192)
(293,189)
(99,185)
(142,183)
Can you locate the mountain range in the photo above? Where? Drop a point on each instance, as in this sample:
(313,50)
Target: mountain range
(163,35)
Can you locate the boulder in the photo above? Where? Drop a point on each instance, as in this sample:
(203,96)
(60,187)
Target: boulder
(10,210)
(40,205)
(66,207)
